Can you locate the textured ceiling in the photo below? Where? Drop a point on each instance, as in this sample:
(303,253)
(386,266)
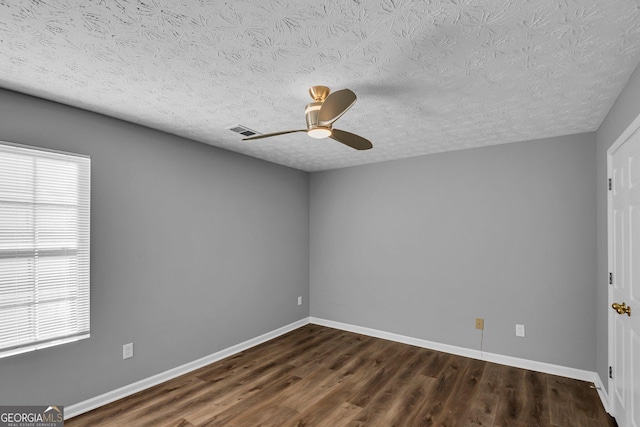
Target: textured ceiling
(431,76)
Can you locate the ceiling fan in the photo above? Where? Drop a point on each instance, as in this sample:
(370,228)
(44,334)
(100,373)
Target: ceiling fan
(322,113)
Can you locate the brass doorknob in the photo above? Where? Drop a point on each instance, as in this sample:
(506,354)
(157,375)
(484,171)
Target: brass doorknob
(621,308)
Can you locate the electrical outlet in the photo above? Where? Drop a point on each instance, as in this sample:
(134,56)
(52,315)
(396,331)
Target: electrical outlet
(479,323)
(127,351)
(520,330)
(299,300)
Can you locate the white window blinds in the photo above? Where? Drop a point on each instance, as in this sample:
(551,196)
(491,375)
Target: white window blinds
(44,248)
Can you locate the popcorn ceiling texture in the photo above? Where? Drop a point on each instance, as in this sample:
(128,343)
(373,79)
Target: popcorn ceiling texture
(431,76)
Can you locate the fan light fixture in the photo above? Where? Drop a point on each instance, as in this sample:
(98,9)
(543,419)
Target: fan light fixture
(319,133)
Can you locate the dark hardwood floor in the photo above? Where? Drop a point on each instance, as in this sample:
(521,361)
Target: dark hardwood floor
(318,376)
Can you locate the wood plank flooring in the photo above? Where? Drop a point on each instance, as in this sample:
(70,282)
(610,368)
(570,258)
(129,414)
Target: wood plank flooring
(318,376)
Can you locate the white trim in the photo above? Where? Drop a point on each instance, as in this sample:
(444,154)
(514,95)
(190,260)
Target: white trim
(624,137)
(112,396)
(47,150)
(516,362)
(460,351)
(602,392)
(610,152)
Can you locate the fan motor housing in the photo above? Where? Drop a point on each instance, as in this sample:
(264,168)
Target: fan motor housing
(314,129)
(311,113)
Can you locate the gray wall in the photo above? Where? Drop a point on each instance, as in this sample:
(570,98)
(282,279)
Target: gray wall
(624,111)
(423,246)
(193,249)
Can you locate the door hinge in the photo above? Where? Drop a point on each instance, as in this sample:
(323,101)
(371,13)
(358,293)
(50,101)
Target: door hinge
(610,372)
(609,183)
(611,278)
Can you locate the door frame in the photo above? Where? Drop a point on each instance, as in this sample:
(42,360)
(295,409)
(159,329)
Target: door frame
(630,131)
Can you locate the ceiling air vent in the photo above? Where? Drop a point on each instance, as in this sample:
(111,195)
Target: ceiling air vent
(243,130)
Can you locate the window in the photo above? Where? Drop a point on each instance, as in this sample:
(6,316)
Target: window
(44,248)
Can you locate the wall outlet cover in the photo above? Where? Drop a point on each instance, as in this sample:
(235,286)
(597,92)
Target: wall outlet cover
(480,323)
(520,330)
(127,351)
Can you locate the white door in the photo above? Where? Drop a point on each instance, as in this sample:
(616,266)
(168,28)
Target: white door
(624,250)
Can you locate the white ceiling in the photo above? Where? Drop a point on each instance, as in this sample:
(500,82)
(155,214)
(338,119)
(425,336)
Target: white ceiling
(431,75)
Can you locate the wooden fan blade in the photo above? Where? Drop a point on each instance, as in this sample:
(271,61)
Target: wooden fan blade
(350,139)
(336,104)
(267,135)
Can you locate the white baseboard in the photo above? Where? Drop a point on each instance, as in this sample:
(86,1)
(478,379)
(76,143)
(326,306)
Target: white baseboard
(602,392)
(516,362)
(95,402)
(112,396)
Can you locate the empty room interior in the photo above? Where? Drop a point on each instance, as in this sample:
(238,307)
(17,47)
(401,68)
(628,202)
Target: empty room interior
(442,256)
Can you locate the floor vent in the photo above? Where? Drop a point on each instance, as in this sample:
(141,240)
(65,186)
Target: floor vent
(243,130)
